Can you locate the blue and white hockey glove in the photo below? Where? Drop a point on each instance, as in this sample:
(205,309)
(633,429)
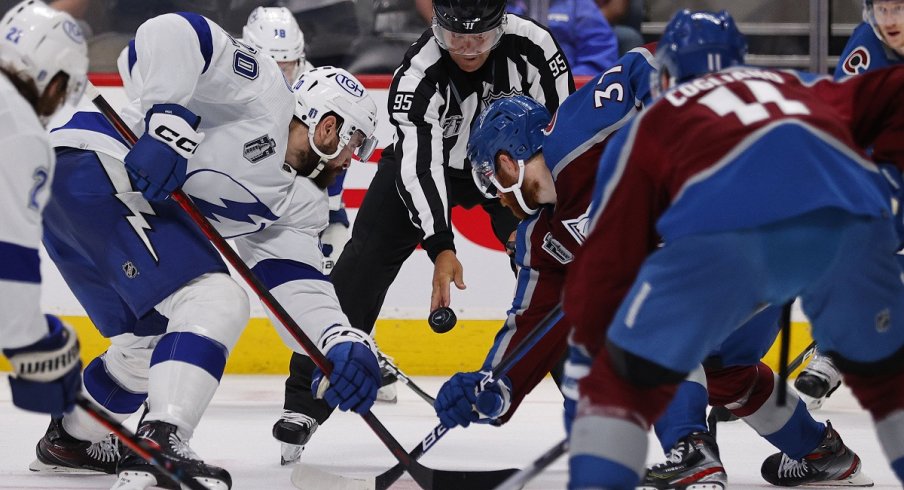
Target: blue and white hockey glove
(48,373)
(158,161)
(355,379)
(576,368)
(467,398)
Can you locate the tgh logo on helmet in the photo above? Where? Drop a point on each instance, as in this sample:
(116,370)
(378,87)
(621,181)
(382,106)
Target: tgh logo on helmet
(349,85)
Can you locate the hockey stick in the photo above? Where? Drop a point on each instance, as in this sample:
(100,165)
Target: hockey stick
(785,325)
(304,476)
(399,375)
(422,475)
(519,479)
(150,454)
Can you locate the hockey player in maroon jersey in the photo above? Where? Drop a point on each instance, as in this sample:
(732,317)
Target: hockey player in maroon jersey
(764,195)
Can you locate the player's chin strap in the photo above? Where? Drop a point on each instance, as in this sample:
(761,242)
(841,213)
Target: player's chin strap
(324,158)
(517,190)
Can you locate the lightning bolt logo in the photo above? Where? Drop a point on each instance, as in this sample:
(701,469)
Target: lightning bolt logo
(139,208)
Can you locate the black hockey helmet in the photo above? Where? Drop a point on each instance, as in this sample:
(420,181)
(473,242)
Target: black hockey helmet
(469,16)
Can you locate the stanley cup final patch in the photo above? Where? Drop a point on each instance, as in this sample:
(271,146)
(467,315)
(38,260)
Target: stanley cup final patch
(259,148)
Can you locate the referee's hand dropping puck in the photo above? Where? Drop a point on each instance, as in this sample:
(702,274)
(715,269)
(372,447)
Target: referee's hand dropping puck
(442,319)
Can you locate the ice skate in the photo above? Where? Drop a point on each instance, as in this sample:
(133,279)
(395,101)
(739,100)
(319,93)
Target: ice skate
(59,452)
(135,473)
(818,381)
(830,464)
(692,464)
(293,430)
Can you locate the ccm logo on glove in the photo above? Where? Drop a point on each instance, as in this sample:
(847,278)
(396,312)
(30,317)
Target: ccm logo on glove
(181,142)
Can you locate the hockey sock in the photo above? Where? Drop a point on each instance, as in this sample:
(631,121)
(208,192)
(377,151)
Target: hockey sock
(891,435)
(685,414)
(606,452)
(592,472)
(798,436)
(185,371)
(105,391)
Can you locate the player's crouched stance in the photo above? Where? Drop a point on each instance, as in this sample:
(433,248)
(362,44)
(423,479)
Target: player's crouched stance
(43,62)
(147,276)
(773,220)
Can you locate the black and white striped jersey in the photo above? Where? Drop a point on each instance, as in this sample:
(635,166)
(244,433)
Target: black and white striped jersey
(432,104)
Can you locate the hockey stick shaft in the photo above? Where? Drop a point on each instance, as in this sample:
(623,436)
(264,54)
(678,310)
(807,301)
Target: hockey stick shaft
(419,472)
(794,364)
(388,477)
(399,375)
(521,478)
(150,454)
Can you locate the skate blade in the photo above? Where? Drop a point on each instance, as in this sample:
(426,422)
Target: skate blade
(858,480)
(40,467)
(134,480)
(140,480)
(307,477)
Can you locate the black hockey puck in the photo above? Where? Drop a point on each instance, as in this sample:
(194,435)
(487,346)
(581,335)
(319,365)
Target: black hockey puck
(442,320)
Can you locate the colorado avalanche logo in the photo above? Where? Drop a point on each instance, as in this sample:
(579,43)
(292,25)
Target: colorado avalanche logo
(230,206)
(856,62)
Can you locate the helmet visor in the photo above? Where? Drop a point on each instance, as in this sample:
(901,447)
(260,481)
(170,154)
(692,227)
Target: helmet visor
(362,146)
(485,179)
(467,44)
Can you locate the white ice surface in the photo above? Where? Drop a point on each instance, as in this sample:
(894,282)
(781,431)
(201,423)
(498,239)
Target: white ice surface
(235,434)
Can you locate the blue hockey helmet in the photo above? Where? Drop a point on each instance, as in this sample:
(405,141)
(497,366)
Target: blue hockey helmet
(513,125)
(696,43)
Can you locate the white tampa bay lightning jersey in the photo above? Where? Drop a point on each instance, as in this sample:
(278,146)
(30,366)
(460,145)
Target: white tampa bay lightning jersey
(237,177)
(26,169)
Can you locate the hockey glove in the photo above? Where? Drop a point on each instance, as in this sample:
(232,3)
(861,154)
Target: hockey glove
(576,368)
(48,373)
(332,242)
(355,379)
(463,400)
(158,161)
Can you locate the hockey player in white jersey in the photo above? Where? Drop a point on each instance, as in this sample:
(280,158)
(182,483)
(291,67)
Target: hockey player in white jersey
(274,32)
(220,121)
(43,61)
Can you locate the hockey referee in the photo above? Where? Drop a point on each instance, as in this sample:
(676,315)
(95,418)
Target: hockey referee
(473,54)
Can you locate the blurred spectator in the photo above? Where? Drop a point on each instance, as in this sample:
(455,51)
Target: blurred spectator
(582,32)
(625,17)
(396,24)
(330,27)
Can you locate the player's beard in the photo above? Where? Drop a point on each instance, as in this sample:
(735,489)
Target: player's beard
(310,160)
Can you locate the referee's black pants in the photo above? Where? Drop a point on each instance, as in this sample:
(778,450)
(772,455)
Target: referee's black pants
(383,237)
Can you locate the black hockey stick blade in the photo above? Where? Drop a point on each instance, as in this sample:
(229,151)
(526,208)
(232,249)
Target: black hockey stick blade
(308,477)
(519,479)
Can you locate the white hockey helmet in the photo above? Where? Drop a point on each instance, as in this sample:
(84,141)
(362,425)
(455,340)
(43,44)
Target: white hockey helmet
(274,32)
(41,42)
(328,90)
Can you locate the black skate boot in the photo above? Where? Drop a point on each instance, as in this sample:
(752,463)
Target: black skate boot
(818,380)
(692,464)
(830,464)
(58,452)
(293,430)
(136,473)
